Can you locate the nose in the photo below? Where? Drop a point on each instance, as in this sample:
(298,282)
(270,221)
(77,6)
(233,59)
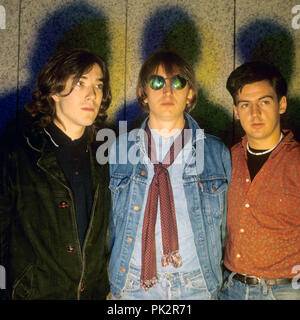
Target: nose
(167,89)
(91,94)
(255,110)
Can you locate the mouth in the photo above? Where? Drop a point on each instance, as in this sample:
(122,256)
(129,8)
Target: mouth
(257,125)
(168,103)
(90,109)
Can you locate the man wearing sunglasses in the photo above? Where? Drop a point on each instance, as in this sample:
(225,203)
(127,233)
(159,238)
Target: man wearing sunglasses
(168,208)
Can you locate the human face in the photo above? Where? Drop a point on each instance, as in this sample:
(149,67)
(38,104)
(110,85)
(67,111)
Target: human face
(79,109)
(258,109)
(167,104)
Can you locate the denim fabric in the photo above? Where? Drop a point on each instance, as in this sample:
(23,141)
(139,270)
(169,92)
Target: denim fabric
(170,286)
(205,192)
(235,290)
(187,246)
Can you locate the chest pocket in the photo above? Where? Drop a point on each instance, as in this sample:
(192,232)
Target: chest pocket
(213,193)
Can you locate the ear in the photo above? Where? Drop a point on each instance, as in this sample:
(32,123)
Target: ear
(190,96)
(236,112)
(55,97)
(140,92)
(282,105)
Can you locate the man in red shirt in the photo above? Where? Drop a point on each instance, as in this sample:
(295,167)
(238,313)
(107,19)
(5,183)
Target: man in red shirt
(262,255)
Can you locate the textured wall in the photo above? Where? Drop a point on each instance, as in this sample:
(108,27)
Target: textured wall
(215,36)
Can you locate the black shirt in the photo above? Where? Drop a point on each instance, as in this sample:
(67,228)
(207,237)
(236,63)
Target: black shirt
(255,162)
(73,157)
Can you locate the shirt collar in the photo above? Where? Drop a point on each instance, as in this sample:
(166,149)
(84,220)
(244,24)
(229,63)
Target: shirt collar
(287,139)
(60,139)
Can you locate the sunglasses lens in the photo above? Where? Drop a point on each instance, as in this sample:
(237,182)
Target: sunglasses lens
(178,82)
(156,82)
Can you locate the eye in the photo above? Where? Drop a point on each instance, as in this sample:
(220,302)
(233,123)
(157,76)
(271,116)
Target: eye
(99,86)
(79,83)
(244,105)
(265,102)
(178,82)
(156,82)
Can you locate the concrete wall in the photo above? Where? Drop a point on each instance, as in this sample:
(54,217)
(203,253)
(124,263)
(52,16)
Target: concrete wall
(215,36)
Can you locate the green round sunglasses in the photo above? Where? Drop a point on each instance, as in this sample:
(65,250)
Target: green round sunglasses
(158,82)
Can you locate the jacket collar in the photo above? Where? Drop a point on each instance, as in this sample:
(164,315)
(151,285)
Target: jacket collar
(43,150)
(197,133)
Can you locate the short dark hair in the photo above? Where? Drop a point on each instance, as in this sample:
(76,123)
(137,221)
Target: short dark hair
(53,77)
(170,61)
(255,71)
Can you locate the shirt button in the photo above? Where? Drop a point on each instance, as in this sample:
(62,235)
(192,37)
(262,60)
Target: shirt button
(238,255)
(242,230)
(247,180)
(82,288)
(247,205)
(76,173)
(123,270)
(129,239)
(143,172)
(136,208)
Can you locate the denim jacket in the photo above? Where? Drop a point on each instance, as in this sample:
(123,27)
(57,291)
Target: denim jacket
(205,190)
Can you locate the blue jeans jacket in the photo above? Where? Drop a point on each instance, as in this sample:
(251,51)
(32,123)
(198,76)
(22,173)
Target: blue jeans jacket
(205,185)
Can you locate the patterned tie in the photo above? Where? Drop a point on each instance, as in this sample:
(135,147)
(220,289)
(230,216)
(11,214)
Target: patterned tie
(161,188)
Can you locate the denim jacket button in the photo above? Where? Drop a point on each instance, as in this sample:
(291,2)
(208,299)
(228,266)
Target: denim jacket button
(214,189)
(136,208)
(143,172)
(129,239)
(123,270)
(117,296)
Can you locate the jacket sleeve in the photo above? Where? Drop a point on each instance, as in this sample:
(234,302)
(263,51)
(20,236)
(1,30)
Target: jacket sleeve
(112,163)
(7,196)
(227,168)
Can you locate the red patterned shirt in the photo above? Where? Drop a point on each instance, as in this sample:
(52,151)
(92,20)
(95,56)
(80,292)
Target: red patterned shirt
(263,224)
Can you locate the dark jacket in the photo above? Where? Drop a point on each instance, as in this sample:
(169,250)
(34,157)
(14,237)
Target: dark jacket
(40,247)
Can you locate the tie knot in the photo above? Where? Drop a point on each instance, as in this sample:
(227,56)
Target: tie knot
(159,168)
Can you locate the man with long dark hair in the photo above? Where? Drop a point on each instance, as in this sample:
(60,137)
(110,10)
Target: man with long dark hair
(54,199)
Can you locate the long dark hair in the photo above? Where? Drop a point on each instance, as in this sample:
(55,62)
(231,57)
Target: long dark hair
(52,80)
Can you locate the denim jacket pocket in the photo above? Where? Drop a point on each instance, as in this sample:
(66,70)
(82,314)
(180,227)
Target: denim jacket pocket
(213,192)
